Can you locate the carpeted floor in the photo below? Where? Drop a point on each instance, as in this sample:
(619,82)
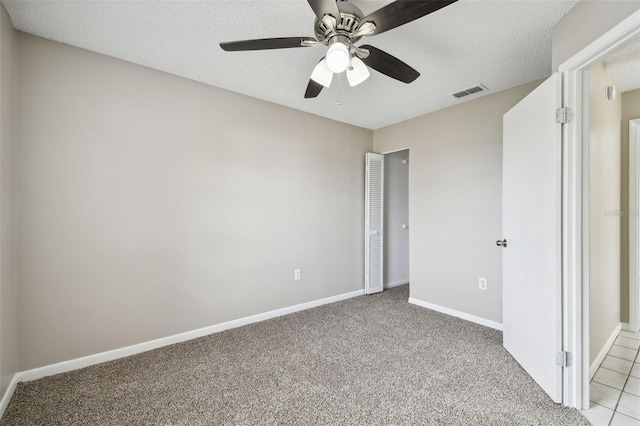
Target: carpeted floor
(367,360)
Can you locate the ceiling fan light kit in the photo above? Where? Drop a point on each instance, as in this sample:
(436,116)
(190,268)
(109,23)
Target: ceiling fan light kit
(338,55)
(357,72)
(322,74)
(339,25)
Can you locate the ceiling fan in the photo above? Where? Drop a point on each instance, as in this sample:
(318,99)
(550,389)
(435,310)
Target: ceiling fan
(339,25)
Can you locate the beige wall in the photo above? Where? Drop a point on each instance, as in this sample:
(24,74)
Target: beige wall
(151,205)
(630,111)
(455,201)
(584,23)
(8,337)
(604,212)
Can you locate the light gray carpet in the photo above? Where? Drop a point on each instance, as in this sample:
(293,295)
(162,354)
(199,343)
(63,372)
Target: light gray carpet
(368,360)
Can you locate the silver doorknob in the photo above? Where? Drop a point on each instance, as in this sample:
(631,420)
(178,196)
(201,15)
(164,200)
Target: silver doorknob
(501,243)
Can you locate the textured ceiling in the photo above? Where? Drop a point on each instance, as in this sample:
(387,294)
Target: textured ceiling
(499,44)
(624,66)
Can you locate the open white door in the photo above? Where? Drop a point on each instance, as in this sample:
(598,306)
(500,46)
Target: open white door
(373,200)
(531,224)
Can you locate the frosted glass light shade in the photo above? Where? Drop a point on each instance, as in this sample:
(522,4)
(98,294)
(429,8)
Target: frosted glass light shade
(338,57)
(322,74)
(357,72)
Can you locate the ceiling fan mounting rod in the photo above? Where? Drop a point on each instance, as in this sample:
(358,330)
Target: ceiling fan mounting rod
(340,38)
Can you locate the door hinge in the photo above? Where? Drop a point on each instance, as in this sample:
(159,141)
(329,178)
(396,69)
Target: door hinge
(564,115)
(564,359)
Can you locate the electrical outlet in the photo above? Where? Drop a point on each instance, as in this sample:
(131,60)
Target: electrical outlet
(297,274)
(482,283)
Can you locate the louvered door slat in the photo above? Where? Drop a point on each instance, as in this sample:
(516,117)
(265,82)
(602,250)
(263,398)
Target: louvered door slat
(374,198)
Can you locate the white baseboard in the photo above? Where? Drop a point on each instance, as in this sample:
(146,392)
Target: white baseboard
(74,364)
(396,284)
(604,351)
(458,314)
(8,394)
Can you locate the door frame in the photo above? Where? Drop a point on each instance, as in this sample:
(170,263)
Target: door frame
(634,223)
(575,207)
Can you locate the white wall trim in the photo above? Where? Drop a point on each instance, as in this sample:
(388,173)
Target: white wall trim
(604,351)
(74,364)
(8,394)
(396,283)
(457,314)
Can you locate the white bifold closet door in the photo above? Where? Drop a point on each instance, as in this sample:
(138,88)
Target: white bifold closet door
(374,211)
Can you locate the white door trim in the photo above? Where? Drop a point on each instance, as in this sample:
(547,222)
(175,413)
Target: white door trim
(395,150)
(634,223)
(575,207)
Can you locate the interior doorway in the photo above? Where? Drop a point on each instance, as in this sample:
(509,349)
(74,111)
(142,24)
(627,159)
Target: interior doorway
(606,215)
(576,207)
(386,199)
(613,99)
(633,133)
(578,232)
(396,219)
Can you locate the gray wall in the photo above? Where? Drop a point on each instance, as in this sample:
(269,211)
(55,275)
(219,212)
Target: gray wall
(586,22)
(630,111)
(455,200)
(396,213)
(604,218)
(8,331)
(152,205)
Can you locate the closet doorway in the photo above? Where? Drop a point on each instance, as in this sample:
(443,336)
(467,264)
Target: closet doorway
(386,244)
(396,219)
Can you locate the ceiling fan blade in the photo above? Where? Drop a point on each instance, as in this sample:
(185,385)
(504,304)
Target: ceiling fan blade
(389,65)
(325,7)
(313,89)
(401,12)
(265,43)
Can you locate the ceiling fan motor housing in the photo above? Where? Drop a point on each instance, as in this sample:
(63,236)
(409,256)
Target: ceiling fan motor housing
(350,17)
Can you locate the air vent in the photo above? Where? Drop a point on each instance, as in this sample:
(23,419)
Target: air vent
(470,91)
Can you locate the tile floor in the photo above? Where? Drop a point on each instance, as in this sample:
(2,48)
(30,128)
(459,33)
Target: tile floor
(615,388)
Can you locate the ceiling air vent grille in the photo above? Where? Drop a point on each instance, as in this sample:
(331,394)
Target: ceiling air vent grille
(470,91)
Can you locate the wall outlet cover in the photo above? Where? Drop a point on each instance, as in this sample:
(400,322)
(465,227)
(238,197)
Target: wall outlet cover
(482,283)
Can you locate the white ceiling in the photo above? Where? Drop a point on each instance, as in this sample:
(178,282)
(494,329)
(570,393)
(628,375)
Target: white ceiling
(624,66)
(499,44)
